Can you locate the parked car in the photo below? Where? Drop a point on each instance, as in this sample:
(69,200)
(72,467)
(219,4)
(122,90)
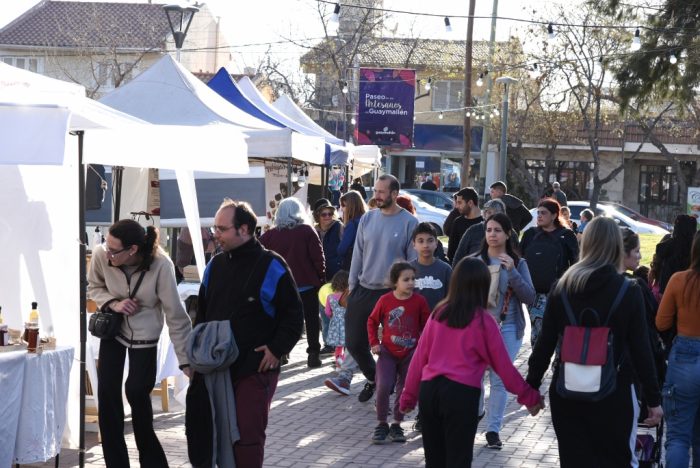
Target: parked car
(427,213)
(622,219)
(637,216)
(441,200)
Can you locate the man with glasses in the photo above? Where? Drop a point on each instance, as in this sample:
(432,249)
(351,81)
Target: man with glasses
(383,237)
(253,288)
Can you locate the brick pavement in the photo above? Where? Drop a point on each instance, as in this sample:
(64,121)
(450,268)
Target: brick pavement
(311,426)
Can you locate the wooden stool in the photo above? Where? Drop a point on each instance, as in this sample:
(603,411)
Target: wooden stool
(162,390)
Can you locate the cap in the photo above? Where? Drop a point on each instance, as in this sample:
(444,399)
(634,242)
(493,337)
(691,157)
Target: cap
(322,203)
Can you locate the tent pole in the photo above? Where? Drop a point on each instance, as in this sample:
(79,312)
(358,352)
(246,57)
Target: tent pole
(83,294)
(289,177)
(117,174)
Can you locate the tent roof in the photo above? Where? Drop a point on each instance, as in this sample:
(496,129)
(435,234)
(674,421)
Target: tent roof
(29,101)
(167,93)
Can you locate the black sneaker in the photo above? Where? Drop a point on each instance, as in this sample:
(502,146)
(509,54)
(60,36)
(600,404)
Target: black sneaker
(493,441)
(313,361)
(327,350)
(366,392)
(396,433)
(381,432)
(418,425)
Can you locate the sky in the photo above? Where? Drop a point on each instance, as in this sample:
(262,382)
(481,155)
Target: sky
(251,26)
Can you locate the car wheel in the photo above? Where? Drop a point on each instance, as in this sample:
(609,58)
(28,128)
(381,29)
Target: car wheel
(437,228)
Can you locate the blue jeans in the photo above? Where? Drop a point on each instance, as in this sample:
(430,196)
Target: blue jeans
(498,396)
(681,394)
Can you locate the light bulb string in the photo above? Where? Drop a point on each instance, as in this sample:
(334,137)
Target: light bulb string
(690,30)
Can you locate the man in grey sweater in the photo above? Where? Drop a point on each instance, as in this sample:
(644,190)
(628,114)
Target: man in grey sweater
(383,237)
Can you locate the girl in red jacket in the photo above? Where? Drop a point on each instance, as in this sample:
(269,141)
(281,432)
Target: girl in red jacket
(402,315)
(460,340)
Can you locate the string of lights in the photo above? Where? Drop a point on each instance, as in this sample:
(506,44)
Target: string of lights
(550,25)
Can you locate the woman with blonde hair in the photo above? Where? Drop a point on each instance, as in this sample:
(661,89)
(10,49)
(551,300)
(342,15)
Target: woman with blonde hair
(353,206)
(294,238)
(602,432)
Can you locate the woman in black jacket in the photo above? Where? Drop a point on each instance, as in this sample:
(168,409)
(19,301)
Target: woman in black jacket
(601,433)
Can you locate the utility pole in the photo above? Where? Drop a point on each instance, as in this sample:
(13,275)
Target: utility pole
(489,89)
(464,176)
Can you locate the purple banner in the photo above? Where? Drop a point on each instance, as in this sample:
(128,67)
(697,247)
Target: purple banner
(385,111)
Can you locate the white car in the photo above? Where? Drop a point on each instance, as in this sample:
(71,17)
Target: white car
(428,213)
(623,220)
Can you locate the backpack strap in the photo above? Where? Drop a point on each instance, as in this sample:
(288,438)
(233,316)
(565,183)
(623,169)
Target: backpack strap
(620,294)
(618,298)
(567,308)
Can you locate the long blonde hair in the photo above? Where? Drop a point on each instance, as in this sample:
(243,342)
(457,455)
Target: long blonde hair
(354,205)
(601,245)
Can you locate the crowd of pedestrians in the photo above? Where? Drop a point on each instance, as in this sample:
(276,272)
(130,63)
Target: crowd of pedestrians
(376,282)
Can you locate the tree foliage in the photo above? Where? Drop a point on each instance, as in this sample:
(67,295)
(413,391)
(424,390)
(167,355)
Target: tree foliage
(649,74)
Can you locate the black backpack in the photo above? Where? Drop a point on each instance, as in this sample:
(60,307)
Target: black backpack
(544,258)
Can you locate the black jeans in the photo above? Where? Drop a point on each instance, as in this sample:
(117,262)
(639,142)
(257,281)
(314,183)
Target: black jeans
(361,301)
(309,300)
(594,433)
(138,387)
(449,413)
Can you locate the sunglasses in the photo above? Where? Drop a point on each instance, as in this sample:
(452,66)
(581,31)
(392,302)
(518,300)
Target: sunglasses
(326,214)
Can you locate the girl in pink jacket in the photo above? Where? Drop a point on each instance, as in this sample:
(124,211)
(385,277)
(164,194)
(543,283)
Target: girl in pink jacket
(460,340)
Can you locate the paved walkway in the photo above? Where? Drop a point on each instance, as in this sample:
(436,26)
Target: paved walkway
(311,426)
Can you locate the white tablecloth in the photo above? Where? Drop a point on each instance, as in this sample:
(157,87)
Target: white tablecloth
(39,414)
(186,289)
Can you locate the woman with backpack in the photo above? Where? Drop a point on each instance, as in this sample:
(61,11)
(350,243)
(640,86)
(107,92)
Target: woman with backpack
(550,248)
(679,305)
(596,427)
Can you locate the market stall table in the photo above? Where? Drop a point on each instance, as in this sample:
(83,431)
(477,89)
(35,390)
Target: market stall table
(33,406)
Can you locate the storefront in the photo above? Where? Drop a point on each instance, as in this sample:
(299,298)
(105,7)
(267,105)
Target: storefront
(436,155)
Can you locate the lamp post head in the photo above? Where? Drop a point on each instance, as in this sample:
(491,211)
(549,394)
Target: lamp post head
(179,19)
(506,80)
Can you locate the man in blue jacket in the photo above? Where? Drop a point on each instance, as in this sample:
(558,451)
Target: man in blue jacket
(253,288)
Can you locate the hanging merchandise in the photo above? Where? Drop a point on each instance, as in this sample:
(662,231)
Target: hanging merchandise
(336,180)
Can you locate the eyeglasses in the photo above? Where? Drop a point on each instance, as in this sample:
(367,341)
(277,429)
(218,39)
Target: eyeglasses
(222,229)
(114,253)
(326,214)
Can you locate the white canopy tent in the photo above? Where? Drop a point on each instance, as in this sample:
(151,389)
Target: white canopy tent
(337,151)
(167,93)
(363,158)
(40,168)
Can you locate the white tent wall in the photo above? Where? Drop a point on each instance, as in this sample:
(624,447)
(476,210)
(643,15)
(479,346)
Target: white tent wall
(38,232)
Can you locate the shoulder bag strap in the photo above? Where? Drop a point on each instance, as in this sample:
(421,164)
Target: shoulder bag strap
(506,302)
(132,294)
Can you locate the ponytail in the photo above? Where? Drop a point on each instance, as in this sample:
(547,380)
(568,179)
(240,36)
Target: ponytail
(149,248)
(129,232)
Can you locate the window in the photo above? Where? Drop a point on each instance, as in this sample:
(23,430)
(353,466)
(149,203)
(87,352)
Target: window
(27,63)
(574,176)
(447,95)
(658,185)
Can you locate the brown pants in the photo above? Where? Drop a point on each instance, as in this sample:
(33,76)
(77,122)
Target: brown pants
(253,398)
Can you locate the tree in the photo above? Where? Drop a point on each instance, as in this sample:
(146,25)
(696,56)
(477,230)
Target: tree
(577,66)
(650,74)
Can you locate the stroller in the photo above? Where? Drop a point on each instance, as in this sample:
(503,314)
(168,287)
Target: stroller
(648,447)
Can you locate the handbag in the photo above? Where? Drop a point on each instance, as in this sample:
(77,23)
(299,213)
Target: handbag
(107,323)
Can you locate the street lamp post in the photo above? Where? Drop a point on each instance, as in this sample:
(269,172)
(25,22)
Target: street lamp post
(179,19)
(506,80)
